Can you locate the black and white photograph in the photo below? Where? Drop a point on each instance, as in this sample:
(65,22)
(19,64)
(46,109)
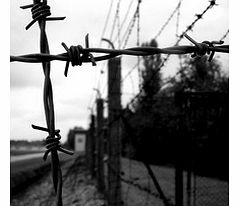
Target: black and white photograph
(118,103)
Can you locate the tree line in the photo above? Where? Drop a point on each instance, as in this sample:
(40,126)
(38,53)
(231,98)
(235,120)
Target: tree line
(191,109)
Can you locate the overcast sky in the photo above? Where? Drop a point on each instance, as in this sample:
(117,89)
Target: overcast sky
(73,95)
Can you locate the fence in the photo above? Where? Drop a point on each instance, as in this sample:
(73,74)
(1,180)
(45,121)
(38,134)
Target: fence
(78,55)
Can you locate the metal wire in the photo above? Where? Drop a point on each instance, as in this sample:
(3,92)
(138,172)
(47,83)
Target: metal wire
(40,10)
(124,20)
(225,35)
(168,20)
(79,58)
(131,25)
(199,16)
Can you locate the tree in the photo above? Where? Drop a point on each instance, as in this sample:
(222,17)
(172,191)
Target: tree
(197,74)
(151,77)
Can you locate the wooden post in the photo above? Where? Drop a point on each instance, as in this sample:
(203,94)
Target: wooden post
(114,138)
(179,154)
(91,146)
(100,146)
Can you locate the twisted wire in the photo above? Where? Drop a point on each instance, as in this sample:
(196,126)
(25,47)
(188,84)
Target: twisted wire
(40,10)
(225,35)
(106,22)
(178,17)
(199,16)
(77,55)
(168,20)
(52,143)
(199,49)
(115,18)
(131,25)
(125,17)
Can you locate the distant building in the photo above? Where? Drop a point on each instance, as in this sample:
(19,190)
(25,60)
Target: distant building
(77,139)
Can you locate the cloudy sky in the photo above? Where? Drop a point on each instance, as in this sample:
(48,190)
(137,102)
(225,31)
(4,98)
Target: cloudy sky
(74,94)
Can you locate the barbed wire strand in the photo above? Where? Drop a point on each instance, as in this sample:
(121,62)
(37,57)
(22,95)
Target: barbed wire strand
(167,21)
(115,19)
(100,42)
(106,22)
(177,30)
(199,16)
(163,63)
(125,18)
(131,26)
(118,25)
(40,10)
(178,18)
(225,35)
(212,3)
(138,44)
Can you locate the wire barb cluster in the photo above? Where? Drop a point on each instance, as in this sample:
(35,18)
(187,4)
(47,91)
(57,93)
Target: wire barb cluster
(40,11)
(77,55)
(52,143)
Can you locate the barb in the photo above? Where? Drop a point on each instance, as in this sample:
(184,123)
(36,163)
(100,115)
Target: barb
(76,56)
(52,143)
(40,11)
(199,16)
(212,3)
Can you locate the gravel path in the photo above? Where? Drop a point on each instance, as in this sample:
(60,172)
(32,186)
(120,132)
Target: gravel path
(78,188)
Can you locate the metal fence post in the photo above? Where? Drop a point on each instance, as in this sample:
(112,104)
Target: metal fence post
(114,140)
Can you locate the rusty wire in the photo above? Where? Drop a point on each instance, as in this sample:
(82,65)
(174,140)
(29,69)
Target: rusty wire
(40,12)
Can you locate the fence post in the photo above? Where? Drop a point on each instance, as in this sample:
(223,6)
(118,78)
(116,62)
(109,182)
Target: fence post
(100,146)
(91,145)
(179,155)
(114,138)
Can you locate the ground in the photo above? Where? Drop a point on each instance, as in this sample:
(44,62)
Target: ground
(137,187)
(78,188)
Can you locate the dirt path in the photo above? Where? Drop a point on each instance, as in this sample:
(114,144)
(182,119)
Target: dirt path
(78,188)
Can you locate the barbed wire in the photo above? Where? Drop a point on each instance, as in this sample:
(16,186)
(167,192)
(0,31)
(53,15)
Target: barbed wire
(163,62)
(168,20)
(199,16)
(77,55)
(115,19)
(178,17)
(212,3)
(225,35)
(106,22)
(40,12)
(124,20)
(131,25)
